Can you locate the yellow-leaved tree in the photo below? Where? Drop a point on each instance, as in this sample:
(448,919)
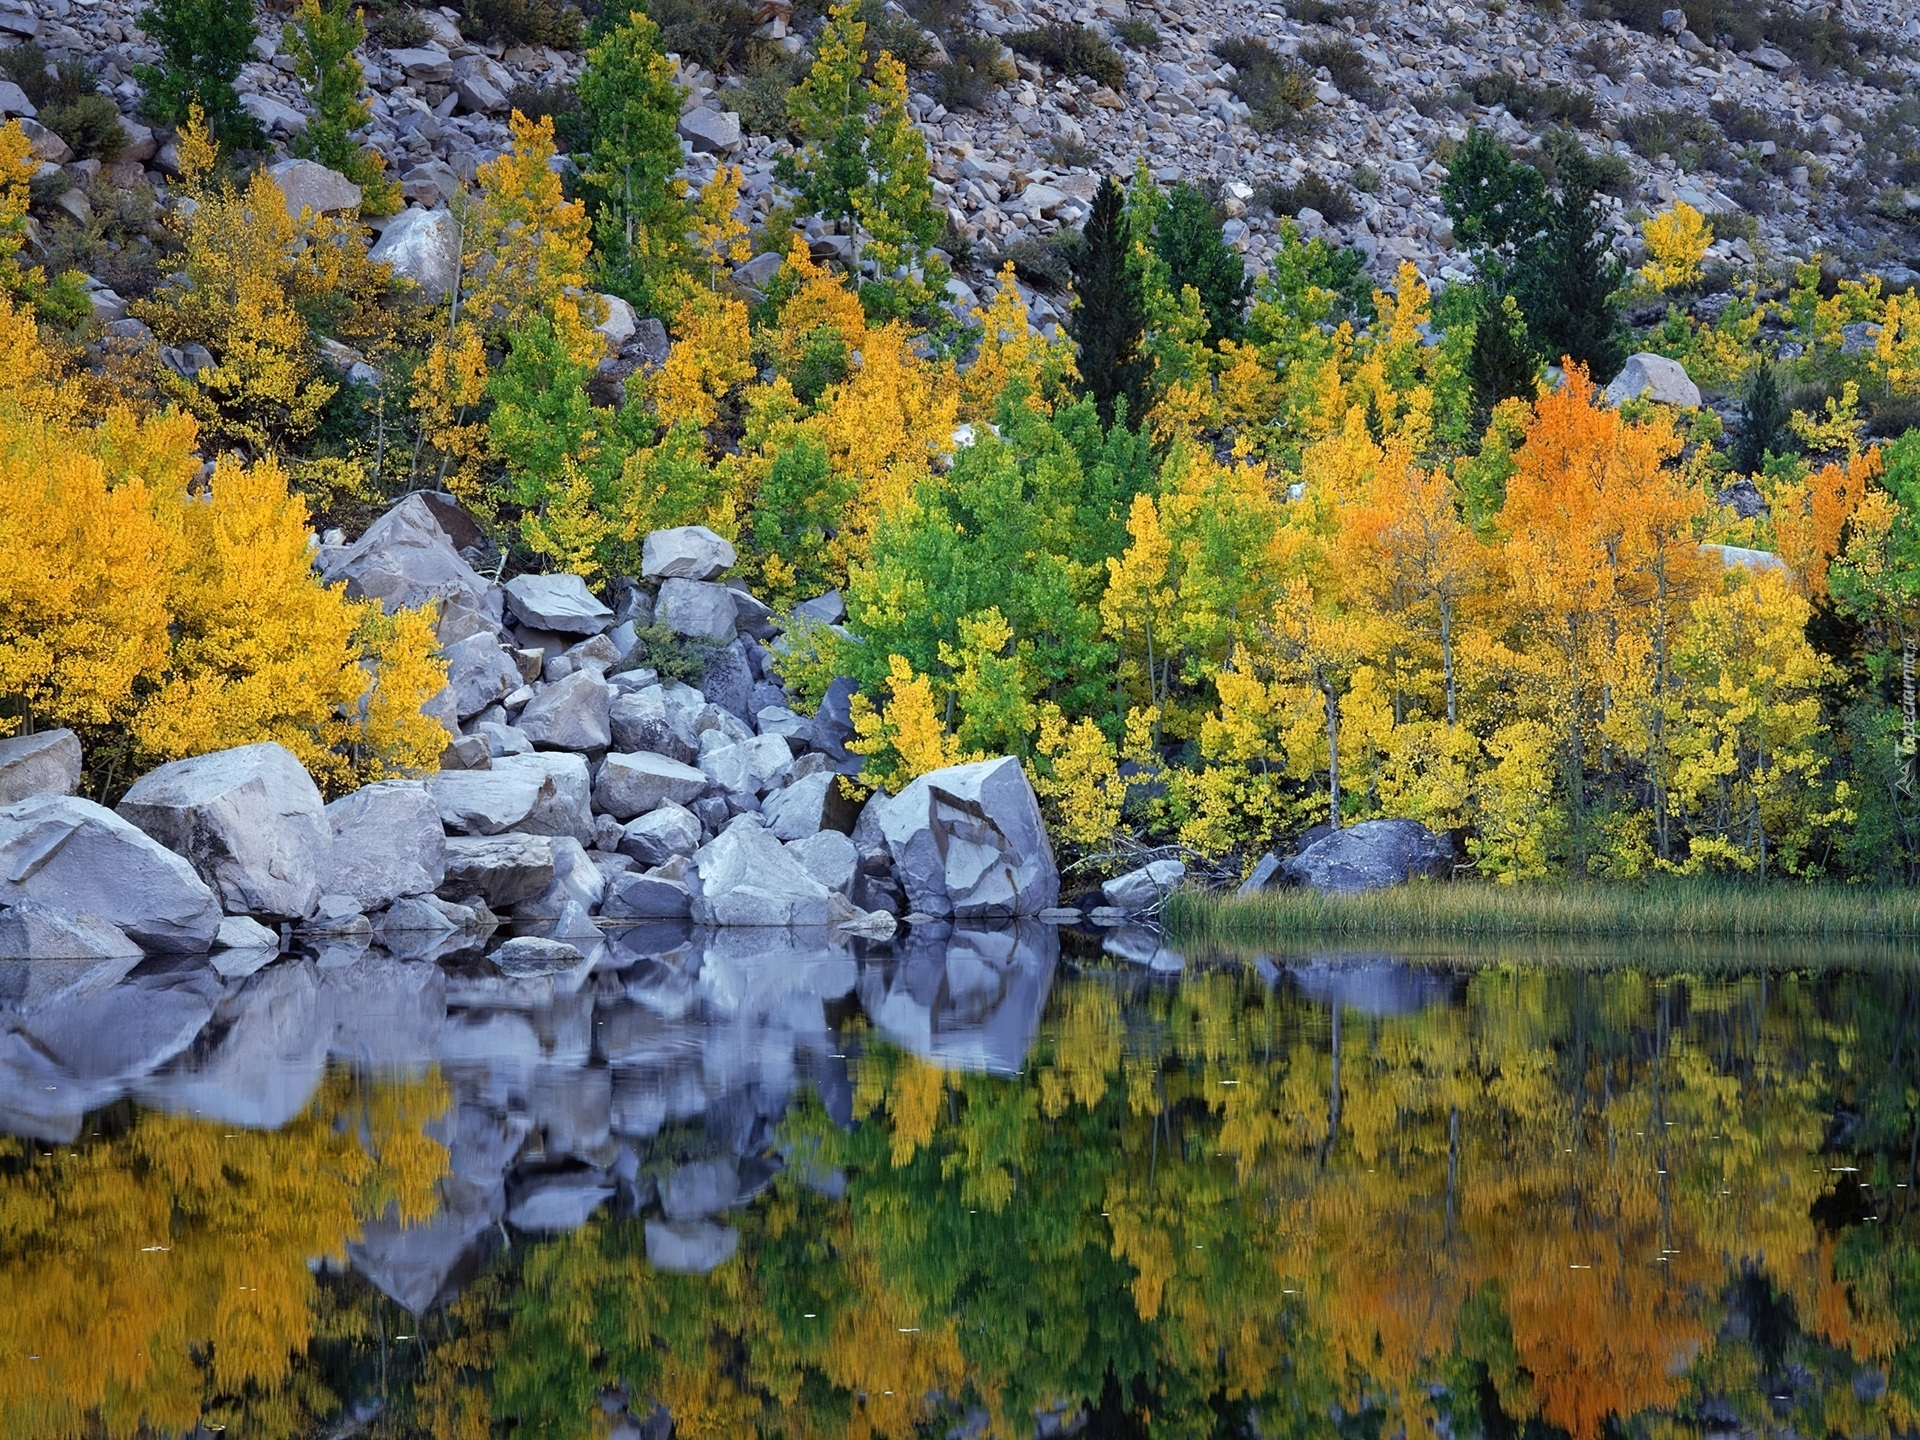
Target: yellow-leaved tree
(162,623)
(1676,243)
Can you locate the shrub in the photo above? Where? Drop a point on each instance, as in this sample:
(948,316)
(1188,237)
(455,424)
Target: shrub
(1344,63)
(558,103)
(1688,138)
(43,81)
(762,100)
(1564,157)
(1137,34)
(91,125)
(1326,12)
(898,35)
(709,32)
(203,44)
(974,69)
(1276,88)
(1071,50)
(397,29)
(1603,57)
(1332,200)
(522,22)
(1536,104)
(1046,264)
(1187,239)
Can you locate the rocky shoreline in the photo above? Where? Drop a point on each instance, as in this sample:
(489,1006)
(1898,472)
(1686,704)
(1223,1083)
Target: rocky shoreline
(578,789)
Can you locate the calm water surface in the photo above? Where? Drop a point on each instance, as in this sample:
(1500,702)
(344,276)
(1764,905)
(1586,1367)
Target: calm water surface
(971,1184)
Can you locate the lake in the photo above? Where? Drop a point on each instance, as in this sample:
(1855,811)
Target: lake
(978,1183)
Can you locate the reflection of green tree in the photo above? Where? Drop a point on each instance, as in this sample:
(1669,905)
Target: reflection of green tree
(1562,1202)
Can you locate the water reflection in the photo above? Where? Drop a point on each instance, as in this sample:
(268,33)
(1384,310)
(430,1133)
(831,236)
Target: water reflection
(966,1183)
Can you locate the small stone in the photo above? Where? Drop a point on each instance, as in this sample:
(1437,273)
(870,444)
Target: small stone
(687,552)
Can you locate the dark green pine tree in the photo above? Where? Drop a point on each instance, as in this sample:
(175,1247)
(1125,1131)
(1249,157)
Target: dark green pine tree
(1763,420)
(1568,279)
(1110,321)
(1188,241)
(1504,359)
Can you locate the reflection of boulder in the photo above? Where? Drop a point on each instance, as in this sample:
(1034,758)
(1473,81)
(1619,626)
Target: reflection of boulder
(267,1060)
(385,1012)
(1371,984)
(965,999)
(414,1265)
(132,1029)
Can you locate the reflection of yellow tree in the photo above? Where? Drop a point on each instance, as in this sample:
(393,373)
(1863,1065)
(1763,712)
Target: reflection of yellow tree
(149,1273)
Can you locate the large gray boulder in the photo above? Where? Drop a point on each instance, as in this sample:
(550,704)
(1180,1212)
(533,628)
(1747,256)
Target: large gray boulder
(250,821)
(561,603)
(308,185)
(1656,378)
(688,552)
(968,841)
(30,930)
(388,841)
(642,720)
(1370,856)
(487,802)
(557,1202)
(662,833)
(406,559)
(570,714)
(1145,887)
(800,809)
(700,1190)
(422,246)
(568,808)
(43,764)
(743,876)
(749,767)
(479,673)
(639,783)
(77,856)
(501,869)
(829,857)
(647,897)
(697,609)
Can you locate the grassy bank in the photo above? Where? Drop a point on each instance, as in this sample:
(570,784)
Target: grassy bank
(1678,909)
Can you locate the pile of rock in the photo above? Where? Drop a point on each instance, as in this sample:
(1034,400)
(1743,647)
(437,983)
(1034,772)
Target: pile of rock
(578,789)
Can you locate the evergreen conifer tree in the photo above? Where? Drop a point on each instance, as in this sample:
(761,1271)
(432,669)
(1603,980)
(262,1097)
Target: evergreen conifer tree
(1110,320)
(1763,417)
(1567,278)
(203,44)
(1187,239)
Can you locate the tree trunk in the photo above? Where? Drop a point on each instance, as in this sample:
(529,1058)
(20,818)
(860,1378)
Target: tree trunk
(1333,756)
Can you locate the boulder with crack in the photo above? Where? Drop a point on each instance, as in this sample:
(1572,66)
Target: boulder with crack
(968,841)
(80,857)
(250,821)
(388,841)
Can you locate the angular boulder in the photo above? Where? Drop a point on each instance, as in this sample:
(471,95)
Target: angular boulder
(479,673)
(30,930)
(570,714)
(647,897)
(829,857)
(560,603)
(690,1247)
(799,809)
(406,559)
(697,609)
(640,783)
(1145,887)
(748,767)
(662,833)
(487,802)
(310,186)
(567,807)
(687,552)
(968,841)
(44,764)
(1370,856)
(1656,378)
(642,721)
(80,857)
(422,246)
(388,841)
(249,820)
(743,876)
(501,869)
